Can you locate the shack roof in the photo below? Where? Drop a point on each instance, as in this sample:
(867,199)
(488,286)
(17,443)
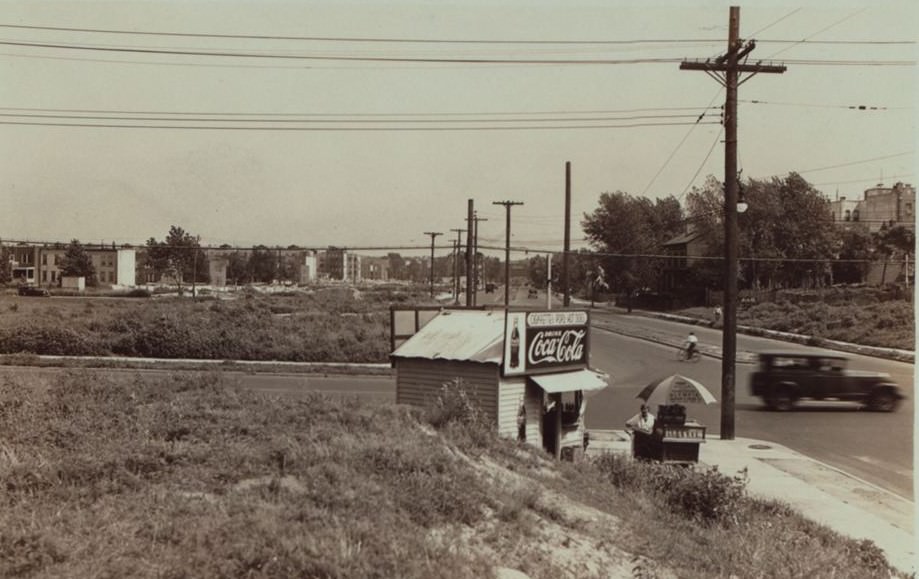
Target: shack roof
(474,336)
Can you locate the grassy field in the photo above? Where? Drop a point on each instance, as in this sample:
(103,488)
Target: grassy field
(886,324)
(188,476)
(324,325)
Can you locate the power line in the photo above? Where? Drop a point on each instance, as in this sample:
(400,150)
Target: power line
(828,106)
(347,129)
(851,163)
(398,115)
(679,145)
(237,119)
(360,39)
(704,161)
(443,60)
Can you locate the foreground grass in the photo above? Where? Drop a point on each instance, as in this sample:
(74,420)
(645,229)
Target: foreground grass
(192,477)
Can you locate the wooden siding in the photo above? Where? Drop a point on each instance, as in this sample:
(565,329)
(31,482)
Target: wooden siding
(418,381)
(510,395)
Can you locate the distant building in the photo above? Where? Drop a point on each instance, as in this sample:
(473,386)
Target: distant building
(375,268)
(682,252)
(114,266)
(40,264)
(880,207)
(338,263)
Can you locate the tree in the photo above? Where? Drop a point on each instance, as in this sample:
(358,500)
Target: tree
(853,243)
(5,271)
(262,266)
(787,232)
(77,262)
(238,268)
(891,240)
(396,266)
(629,229)
(178,255)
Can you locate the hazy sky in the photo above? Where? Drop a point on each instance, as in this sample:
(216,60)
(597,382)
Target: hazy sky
(328,127)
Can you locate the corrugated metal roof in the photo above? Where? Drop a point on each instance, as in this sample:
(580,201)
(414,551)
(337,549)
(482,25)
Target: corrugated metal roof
(475,336)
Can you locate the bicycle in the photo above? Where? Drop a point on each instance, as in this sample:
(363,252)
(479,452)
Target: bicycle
(682,354)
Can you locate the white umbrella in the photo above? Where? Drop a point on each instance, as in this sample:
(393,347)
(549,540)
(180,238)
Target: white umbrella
(676,389)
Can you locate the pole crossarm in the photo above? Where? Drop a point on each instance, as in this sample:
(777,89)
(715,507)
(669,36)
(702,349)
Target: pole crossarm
(726,70)
(507,248)
(708,65)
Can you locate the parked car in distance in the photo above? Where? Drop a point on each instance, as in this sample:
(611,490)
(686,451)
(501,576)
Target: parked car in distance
(490,288)
(783,378)
(31,290)
(532,293)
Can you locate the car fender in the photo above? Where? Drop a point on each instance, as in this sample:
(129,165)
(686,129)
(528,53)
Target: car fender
(888,387)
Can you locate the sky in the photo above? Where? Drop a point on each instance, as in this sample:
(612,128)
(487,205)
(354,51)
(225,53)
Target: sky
(367,124)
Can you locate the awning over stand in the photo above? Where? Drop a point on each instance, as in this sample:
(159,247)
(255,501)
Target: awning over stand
(585,380)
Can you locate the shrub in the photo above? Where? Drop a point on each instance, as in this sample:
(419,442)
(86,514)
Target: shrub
(704,496)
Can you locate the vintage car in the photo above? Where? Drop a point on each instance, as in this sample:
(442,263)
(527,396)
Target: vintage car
(783,378)
(31,290)
(532,293)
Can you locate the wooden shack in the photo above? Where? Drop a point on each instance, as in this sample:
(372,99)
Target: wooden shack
(526,370)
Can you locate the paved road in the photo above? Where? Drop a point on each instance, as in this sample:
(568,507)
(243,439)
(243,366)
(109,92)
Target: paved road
(875,446)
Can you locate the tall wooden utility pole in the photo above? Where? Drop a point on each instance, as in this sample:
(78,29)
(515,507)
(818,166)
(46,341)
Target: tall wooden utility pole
(507,249)
(475,256)
(565,287)
(729,65)
(433,234)
(470,215)
(456,252)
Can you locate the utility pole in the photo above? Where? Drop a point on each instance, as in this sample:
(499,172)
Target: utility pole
(456,251)
(507,249)
(475,256)
(548,281)
(728,64)
(470,215)
(566,291)
(433,234)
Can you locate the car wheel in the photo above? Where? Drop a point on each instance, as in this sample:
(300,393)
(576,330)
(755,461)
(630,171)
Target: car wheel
(782,399)
(883,401)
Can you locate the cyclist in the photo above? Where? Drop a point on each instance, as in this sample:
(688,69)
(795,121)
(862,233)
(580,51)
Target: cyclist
(691,342)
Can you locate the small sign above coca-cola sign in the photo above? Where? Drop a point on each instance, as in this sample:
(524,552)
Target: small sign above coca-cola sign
(546,341)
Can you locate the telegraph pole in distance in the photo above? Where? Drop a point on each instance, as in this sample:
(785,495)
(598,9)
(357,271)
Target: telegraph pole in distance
(729,65)
(507,249)
(566,291)
(475,255)
(433,234)
(456,276)
(470,215)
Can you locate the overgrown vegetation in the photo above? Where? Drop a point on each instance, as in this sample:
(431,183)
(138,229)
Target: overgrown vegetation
(189,476)
(859,317)
(330,325)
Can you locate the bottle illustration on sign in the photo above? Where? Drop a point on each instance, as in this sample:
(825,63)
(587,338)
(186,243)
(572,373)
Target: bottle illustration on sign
(515,346)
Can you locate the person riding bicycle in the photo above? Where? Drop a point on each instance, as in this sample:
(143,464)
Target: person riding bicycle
(691,342)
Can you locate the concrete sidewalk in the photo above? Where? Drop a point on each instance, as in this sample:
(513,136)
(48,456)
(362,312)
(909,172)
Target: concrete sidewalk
(827,495)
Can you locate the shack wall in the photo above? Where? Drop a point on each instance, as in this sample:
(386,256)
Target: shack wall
(419,381)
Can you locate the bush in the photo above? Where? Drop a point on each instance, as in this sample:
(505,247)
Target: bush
(704,496)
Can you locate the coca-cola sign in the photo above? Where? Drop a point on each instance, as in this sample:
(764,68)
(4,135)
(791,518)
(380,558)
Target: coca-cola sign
(556,346)
(546,341)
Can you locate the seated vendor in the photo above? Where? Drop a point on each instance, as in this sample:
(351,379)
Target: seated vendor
(643,421)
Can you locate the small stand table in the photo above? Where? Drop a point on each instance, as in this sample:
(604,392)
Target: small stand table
(670,443)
